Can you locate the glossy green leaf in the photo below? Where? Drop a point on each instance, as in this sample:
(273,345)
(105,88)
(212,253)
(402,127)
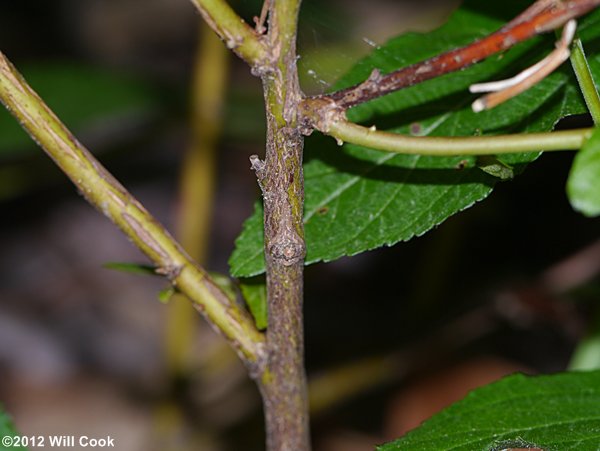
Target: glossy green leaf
(583,184)
(555,413)
(254,291)
(359,199)
(7,432)
(83,97)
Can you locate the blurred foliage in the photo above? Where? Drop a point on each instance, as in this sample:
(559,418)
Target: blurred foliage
(583,184)
(83,97)
(7,430)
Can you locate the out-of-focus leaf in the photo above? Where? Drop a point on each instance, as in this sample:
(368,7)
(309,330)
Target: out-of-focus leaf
(165,295)
(243,124)
(83,98)
(583,184)
(132,268)
(8,434)
(558,412)
(254,291)
(359,199)
(586,355)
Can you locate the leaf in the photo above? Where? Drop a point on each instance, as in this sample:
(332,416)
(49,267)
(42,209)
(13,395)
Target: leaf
(359,199)
(254,291)
(583,184)
(586,355)
(166,294)
(132,268)
(7,430)
(225,284)
(82,97)
(496,168)
(558,412)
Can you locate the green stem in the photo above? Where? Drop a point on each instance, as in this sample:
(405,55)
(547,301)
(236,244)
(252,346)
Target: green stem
(586,80)
(105,193)
(231,28)
(345,131)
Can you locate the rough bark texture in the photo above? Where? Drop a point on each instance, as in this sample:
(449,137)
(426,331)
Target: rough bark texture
(283,381)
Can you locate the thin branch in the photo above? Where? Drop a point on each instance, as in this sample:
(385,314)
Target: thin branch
(573,271)
(541,17)
(345,131)
(283,16)
(538,7)
(105,193)
(262,19)
(231,28)
(503,90)
(585,80)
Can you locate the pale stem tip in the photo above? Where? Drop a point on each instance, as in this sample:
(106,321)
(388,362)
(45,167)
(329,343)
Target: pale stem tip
(503,90)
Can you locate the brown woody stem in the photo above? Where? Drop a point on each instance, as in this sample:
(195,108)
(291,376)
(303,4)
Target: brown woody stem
(541,17)
(283,382)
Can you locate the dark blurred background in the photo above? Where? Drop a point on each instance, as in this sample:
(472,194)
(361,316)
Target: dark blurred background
(392,335)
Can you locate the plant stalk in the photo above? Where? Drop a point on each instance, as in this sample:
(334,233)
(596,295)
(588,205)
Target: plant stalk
(283,381)
(235,33)
(105,193)
(585,80)
(537,19)
(345,131)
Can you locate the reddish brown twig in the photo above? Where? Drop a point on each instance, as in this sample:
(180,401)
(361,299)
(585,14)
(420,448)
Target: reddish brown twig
(542,16)
(537,8)
(503,90)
